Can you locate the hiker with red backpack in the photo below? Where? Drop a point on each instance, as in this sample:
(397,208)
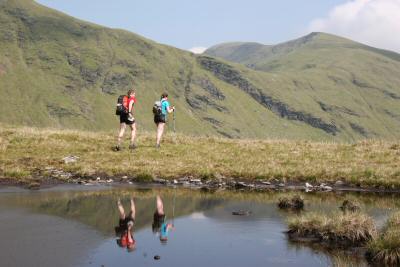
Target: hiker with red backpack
(125,227)
(124,110)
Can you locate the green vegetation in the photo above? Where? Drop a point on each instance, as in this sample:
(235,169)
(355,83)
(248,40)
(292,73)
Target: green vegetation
(385,250)
(330,77)
(30,154)
(98,209)
(57,71)
(335,229)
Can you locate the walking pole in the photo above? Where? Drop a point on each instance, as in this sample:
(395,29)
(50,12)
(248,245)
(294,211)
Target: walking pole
(173,208)
(173,115)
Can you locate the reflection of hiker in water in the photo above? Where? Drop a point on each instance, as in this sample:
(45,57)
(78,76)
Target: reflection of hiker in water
(125,227)
(160,226)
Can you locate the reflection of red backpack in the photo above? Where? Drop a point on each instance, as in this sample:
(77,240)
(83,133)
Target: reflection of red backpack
(122,105)
(125,240)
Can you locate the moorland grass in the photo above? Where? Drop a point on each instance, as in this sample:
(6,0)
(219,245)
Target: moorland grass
(385,250)
(337,229)
(27,153)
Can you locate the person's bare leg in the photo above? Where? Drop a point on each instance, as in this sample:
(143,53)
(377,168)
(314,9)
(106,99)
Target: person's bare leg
(160,205)
(160,131)
(121,209)
(121,133)
(133,210)
(133,133)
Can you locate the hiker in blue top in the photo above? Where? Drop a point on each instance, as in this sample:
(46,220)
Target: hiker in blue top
(160,225)
(161,118)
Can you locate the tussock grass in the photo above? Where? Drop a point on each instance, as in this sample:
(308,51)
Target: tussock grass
(144,177)
(335,229)
(295,203)
(385,250)
(25,153)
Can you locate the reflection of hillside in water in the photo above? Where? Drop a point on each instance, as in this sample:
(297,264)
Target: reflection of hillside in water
(99,209)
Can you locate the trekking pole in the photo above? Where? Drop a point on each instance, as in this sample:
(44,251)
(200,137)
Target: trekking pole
(173,208)
(173,117)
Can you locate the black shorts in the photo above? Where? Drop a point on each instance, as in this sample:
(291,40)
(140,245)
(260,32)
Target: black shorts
(158,221)
(160,118)
(123,224)
(123,118)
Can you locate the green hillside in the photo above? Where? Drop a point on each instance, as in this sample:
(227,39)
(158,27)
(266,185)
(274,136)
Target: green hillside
(57,71)
(353,85)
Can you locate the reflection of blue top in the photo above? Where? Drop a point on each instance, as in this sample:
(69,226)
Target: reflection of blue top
(164,107)
(164,230)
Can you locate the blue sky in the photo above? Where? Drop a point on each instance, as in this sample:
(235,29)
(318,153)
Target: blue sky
(187,24)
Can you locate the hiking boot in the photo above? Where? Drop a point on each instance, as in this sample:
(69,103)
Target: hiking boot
(117,148)
(157,146)
(132,147)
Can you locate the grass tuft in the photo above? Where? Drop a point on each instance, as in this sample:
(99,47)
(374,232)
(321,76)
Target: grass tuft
(144,178)
(294,203)
(385,250)
(338,229)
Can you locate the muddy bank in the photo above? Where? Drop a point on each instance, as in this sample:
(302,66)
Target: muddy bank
(56,177)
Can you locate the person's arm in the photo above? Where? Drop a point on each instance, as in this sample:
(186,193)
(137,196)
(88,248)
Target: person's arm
(170,226)
(170,109)
(130,239)
(130,106)
(130,116)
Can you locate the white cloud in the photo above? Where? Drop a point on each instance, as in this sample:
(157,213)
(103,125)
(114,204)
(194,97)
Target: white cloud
(198,49)
(373,22)
(198,216)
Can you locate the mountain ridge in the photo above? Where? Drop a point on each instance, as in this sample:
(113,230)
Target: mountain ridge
(236,48)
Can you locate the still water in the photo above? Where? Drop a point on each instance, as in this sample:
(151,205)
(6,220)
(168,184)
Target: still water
(76,227)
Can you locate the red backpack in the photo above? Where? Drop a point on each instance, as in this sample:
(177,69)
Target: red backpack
(122,105)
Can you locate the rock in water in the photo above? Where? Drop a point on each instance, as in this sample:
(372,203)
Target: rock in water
(157,257)
(339,183)
(241,213)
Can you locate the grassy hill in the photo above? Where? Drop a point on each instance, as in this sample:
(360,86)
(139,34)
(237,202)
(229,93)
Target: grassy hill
(352,84)
(57,71)
(264,57)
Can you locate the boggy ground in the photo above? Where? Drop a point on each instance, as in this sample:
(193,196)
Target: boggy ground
(385,250)
(30,156)
(336,229)
(354,232)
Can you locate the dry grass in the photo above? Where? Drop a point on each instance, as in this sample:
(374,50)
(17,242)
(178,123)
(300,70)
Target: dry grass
(336,229)
(385,250)
(26,152)
(295,203)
